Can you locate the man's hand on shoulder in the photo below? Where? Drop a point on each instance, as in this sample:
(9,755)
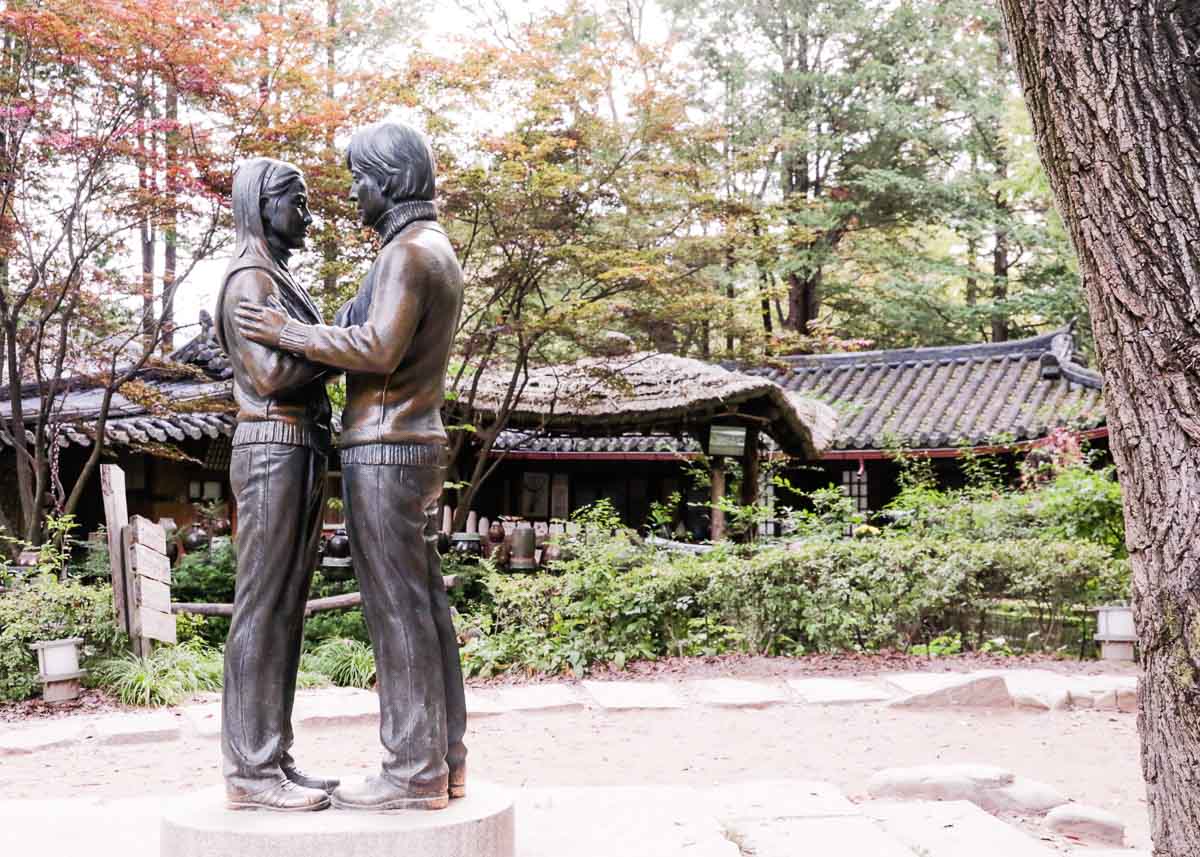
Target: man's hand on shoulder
(262,323)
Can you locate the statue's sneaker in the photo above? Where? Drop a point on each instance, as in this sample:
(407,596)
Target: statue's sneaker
(378,795)
(297,776)
(458,780)
(284,796)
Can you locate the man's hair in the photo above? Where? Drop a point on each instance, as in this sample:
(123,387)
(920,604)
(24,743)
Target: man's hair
(397,157)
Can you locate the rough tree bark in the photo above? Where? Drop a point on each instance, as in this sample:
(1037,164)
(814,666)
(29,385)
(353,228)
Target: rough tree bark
(1114,91)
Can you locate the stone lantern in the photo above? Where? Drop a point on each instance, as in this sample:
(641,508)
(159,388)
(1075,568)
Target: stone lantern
(1115,632)
(58,668)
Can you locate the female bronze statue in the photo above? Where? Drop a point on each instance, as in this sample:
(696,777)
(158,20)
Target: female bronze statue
(277,473)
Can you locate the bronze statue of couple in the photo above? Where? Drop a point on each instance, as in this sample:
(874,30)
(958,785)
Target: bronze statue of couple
(392,341)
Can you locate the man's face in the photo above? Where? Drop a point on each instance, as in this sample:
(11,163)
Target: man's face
(368,195)
(287,216)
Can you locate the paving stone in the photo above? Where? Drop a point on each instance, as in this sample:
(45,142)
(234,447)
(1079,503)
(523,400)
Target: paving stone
(118,828)
(483,704)
(539,697)
(1089,823)
(1127,700)
(1040,690)
(629,821)
(1104,692)
(990,788)
(938,690)
(134,728)
(952,829)
(837,691)
(42,736)
(792,836)
(773,799)
(204,720)
(938,782)
(336,707)
(632,695)
(1024,797)
(735,693)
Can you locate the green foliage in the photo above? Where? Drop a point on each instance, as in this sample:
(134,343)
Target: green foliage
(45,608)
(934,584)
(167,677)
(346,663)
(206,576)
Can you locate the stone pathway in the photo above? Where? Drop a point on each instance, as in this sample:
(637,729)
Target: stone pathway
(924,811)
(1035,690)
(766,819)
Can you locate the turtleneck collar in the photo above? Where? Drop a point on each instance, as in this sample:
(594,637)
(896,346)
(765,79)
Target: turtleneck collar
(400,215)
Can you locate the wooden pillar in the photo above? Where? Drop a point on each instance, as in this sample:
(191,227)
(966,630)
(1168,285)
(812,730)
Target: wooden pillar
(718,494)
(750,471)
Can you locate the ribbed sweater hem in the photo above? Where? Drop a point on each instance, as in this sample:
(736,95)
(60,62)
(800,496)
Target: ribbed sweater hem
(289,434)
(410,454)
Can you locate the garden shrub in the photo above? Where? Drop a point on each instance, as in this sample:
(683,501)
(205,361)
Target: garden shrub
(206,576)
(44,608)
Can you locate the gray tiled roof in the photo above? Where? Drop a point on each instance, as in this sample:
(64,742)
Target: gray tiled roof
(949,396)
(520,441)
(197,373)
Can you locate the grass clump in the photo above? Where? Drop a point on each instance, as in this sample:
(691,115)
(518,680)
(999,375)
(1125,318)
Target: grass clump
(167,677)
(346,663)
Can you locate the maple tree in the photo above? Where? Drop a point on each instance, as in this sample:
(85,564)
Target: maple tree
(75,169)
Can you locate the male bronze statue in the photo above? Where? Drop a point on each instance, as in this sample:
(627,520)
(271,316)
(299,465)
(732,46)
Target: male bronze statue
(277,472)
(393,341)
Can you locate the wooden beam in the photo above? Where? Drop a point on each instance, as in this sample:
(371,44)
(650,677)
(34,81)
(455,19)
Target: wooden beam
(750,469)
(718,494)
(317,605)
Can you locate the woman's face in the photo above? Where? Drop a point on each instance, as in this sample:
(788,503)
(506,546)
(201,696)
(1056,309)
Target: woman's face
(287,218)
(368,195)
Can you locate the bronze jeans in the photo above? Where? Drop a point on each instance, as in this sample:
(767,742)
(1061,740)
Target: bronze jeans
(280,492)
(391,518)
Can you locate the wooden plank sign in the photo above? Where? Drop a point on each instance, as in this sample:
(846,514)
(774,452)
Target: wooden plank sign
(146,564)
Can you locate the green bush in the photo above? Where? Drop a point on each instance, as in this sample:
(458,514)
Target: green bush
(167,677)
(44,608)
(206,576)
(614,601)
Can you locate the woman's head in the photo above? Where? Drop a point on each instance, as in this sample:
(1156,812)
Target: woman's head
(390,163)
(270,205)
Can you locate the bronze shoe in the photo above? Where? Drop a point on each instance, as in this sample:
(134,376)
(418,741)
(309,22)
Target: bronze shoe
(378,795)
(458,780)
(284,796)
(300,778)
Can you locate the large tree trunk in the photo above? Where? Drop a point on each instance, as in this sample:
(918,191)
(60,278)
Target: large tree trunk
(1114,91)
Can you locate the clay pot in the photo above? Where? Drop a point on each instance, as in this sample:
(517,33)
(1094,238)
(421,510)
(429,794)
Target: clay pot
(496,533)
(466,545)
(337,546)
(195,538)
(551,553)
(524,542)
(221,527)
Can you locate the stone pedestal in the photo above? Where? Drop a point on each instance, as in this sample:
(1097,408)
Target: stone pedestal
(479,825)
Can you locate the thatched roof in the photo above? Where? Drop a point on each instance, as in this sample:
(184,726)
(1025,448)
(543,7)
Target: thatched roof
(652,392)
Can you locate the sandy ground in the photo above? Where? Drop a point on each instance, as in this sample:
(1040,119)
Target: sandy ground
(1091,756)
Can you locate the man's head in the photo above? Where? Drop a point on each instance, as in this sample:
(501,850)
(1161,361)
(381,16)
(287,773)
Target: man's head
(390,163)
(270,202)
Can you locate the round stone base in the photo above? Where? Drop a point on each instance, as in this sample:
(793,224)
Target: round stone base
(479,825)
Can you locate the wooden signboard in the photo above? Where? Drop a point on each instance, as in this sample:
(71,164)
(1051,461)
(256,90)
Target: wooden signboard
(141,572)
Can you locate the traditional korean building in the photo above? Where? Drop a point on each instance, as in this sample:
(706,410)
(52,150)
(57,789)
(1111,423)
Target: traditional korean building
(637,428)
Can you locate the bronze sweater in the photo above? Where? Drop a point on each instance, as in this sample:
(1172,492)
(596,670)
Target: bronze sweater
(396,356)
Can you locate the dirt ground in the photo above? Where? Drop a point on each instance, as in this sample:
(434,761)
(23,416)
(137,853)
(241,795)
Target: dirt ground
(1090,756)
